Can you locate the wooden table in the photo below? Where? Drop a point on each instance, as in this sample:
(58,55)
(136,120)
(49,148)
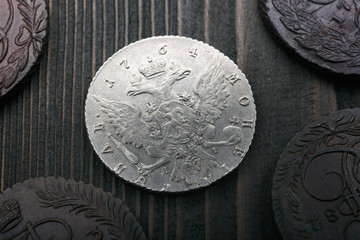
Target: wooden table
(42,123)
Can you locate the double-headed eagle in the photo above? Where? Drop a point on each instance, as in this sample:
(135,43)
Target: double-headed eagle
(177,128)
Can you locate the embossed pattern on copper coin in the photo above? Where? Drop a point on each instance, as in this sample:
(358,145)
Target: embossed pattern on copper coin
(316,188)
(62,210)
(325,32)
(23,26)
(170,114)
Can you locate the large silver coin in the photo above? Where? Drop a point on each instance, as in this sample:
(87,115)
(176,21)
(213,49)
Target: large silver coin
(170,114)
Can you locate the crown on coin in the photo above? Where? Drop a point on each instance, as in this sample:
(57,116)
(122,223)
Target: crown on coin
(153,68)
(10,215)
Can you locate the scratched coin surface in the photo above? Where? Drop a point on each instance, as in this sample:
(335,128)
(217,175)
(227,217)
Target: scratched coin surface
(170,114)
(316,188)
(23,26)
(62,210)
(325,32)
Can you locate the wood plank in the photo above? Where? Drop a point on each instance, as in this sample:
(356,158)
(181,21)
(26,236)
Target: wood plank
(287,97)
(51,54)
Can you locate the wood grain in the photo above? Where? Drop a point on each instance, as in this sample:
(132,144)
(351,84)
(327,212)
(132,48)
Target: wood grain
(42,122)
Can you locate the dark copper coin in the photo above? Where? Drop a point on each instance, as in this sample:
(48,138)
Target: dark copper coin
(59,210)
(22,34)
(325,32)
(316,191)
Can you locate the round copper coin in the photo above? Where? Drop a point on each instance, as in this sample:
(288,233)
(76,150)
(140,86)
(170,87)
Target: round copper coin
(316,189)
(325,32)
(62,210)
(22,34)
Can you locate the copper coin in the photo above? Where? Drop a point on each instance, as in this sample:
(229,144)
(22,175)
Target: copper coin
(316,189)
(59,209)
(23,26)
(325,32)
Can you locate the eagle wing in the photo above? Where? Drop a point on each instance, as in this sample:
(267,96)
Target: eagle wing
(211,89)
(127,122)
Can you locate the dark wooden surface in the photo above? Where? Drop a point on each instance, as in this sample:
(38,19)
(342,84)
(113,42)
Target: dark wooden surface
(42,123)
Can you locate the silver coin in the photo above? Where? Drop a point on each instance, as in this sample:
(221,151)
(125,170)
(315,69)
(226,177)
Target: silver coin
(170,114)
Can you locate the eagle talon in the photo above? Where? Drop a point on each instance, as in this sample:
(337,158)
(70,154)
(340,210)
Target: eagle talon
(142,169)
(133,92)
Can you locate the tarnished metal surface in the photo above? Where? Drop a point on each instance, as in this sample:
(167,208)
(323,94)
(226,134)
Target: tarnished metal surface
(317,180)
(170,114)
(325,32)
(59,209)
(22,35)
